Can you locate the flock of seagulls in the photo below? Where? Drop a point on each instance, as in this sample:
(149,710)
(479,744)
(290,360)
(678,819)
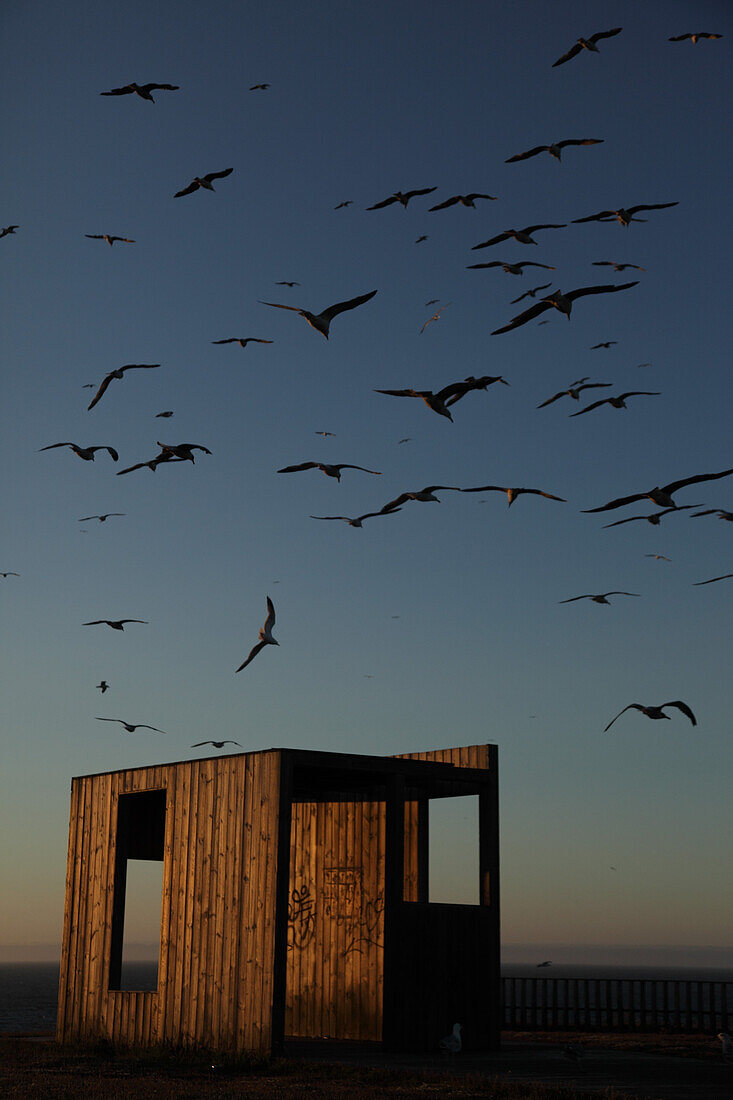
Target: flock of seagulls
(440,401)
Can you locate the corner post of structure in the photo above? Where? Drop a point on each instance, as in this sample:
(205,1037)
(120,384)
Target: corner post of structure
(489,873)
(423,851)
(282,889)
(394,875)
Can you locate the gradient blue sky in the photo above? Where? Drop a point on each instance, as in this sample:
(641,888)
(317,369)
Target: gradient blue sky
(366,99)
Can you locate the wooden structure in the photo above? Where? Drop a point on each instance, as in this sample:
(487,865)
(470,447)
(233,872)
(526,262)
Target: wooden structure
(295,902)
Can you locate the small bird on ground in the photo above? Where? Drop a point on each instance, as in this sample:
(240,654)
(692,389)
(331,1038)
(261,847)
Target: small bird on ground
(402,197)
(661,496)
(165,415)
(243,341)
(109,239)
(357,521)
(616,266)
(604,344)
(103,686)
(656,712)
(624,215)
(435,316)
(555,149)
(464,200)
(87,453)
(655,518)
(203,181)
(530,294)
(618,402)
(559,301)
(216,744)
(697,37)
(574,390)
(8,230)
(511,269)
(129,725)
(600,598)
(330,469)
(265,636)
(143,90)
(586,44)
(118,373)
(321,322)
(259,87)
(512,493)
(424,496)
(724,577)
(116,624)
(103,517)
(524,236)
(346,202)
(452,1043)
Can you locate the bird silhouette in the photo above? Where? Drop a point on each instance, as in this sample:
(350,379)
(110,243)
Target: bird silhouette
(265,636)
(435,316)
(724,577)
(604,344)
(130,727)
(330,469)
(143,90)
(86,453)
(103,517)
(216,744)
(109,239)
(463,200)
(243,341)
(524,236)
(656,712)
(511,269)
(586,44)
(599,598)
(452,1043)
(424,496)
(555,149)
(8,230)
(661,495)
(574,390)
(321,322)
(118,373)
(203,181)
(559,301)
(695,38)
(357,521)
(512,493)
(346,202)
(624,215)
(440,401)
(103,686)
(531,294)
(116,624)
(402,197)
(259,87)
(616,266)
(618,402)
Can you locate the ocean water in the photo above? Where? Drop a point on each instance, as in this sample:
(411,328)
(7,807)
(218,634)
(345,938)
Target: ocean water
(29,991)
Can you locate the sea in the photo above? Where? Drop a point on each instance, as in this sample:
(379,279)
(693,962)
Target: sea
(29,991)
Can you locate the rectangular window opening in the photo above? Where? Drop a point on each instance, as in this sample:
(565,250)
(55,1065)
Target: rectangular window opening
(454,875)
(138,891)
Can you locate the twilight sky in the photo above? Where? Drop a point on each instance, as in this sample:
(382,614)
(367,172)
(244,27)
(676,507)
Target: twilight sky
(440,625)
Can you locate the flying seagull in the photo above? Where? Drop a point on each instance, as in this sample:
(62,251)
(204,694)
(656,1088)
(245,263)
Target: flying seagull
(165,415)
(153,463)
(331,470)
(605,343)
(616,266)
(103,686)
(341,205)
(87,453)
(321,322)
(697,37)
(511,269)
(284,282)
(599,597)
(586,44)
(624,215)
(424,496)
(9,574)
(560,301)
(719,512)
(661,496)
(116,624)
(524,236)
(712,579)
(333,434)
(182,450)
(216,744)
(109,239)
(656,712)
(8,230)
(657,557)
(203,181)
(530,294)
(512,494)
(464,200)
(421,238)
(357,521)
(555,149)
(265,636)
(253,88)
(618,402)
(655,518)
(574,391)
(118,374)
(402,197)
(435,316)
(432,302)
(103,517)
(130,727)
(440,401)
(243,341)
(143,90)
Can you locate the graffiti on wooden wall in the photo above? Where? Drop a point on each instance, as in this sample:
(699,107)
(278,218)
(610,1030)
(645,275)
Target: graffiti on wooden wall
(343,906)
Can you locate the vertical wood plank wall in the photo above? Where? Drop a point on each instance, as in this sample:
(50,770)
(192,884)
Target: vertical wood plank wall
(336,927)
(217,914)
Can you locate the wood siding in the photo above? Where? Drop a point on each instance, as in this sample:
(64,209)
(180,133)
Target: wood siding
(215,972)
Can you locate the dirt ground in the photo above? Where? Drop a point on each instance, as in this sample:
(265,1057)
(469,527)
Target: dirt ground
(528,1067)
